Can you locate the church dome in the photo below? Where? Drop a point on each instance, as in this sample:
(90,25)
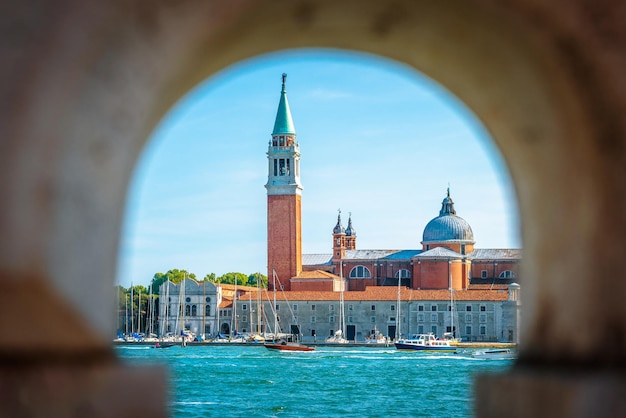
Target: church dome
(339,229)
(448,226)
(350,231)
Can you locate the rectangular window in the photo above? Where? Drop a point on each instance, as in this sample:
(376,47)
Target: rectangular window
(275,167)
(468,317)
(420,329)
(244,318)
(244,307)
(420,317)
(392,307)
(420,308)
(373,307)
(281,167)
(331,319)
(350,319)
(312,319)
(331,307)
(483,274)
(483,318)
(277,307)
(433,308)
(295,307)
(483,330)
(433,329)
(350,307)
(288,166)
(483,308)
(312,307)
(468,308)
(468,330)
(392,319)
(373,319)
(433,317)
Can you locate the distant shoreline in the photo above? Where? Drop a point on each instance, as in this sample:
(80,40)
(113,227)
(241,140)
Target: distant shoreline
(460,345)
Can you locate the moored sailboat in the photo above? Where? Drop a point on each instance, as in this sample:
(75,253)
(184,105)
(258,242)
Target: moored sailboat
(291,343)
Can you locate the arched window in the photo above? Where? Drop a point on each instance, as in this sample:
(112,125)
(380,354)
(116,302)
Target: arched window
(507,274)
(360,272)
(403,274)
(187,310)
(194,310)
(207,310)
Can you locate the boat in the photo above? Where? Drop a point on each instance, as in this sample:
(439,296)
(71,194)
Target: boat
(376,337)
(448,336)
(282,345)
(163,345)
(337,338)
(425,342)
(495,354)
(291,343)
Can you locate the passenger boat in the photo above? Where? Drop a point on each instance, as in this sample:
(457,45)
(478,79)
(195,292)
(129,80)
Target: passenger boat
(425,342)
(495,354)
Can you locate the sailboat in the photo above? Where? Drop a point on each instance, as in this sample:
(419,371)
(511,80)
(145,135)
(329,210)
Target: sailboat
(339,336)
(450,336)
(281,344)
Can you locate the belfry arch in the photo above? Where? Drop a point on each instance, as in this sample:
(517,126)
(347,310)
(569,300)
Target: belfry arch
(86,83)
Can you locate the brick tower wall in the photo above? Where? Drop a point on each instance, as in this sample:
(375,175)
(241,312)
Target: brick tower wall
(284,237)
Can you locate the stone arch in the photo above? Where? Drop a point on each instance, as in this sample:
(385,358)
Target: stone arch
(86,83)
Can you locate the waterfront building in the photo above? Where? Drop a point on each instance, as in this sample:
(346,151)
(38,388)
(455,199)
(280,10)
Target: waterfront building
(189,306)
(447,285)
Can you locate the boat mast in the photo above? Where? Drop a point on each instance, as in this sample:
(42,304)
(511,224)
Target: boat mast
(132,312)
(151,311)
(204,306)
(218,302)
(451,301)
(126,314)
(233,331)
(139,313)
(274,307)
(342,313)
(398,333)
(259,307)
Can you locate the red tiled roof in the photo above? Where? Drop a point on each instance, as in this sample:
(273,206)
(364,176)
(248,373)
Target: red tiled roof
(316,274)
(488,286)
(387,293)
(232,287)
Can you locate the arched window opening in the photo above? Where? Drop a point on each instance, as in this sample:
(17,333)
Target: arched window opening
(360,272)
(403,274)
(507,274)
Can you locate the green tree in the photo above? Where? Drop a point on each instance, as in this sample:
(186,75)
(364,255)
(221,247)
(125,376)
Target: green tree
(175,276)
(253,278)
(211,277)
(230,278)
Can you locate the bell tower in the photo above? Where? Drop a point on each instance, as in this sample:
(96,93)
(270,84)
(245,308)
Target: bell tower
(284,198)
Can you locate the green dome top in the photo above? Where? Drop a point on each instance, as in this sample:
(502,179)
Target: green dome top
(284,122)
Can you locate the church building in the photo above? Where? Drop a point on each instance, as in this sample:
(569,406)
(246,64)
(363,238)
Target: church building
(446,270)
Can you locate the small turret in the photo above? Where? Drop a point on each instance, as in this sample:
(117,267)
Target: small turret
(350,235)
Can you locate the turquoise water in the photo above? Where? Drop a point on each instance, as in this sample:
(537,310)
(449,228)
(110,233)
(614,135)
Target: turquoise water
(237,381)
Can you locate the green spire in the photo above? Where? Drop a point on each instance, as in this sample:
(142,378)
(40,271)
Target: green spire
(284,122)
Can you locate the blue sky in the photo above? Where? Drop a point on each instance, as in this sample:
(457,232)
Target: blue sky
(378,140)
